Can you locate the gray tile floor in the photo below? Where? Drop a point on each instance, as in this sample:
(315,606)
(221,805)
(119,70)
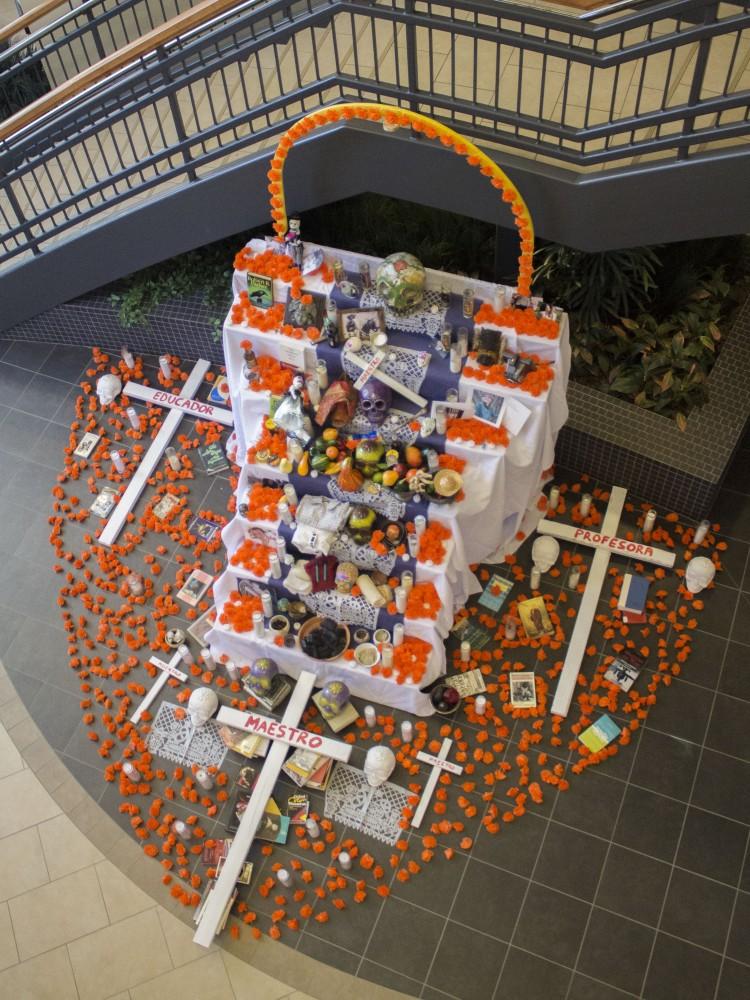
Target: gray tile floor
(636,882)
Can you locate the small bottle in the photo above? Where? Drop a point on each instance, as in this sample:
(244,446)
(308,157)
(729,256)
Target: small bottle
(117,461)
(173,459)
(370,716)
(446,338)
(407,731)
(127,357)
(467,303)
(259,629)
(321,370)
(250,366)
(166,367)
(339,274)
(465,652)
(364,274)
(135,420)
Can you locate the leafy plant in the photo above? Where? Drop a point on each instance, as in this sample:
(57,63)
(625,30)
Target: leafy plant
(596,287)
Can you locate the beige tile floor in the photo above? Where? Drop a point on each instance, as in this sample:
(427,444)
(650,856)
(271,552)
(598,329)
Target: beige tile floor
(73,927)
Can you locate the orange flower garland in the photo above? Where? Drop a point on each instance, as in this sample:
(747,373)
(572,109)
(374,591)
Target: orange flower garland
(262,502)
(431,547)
(522,320)
(476,431)
(238,611)
(423,601)
(535,382)
(253,556)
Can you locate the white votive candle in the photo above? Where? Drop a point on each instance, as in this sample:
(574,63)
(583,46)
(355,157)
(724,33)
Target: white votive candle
(204,779)
(313,390)
(135,420)
(290,495)
(585,505)
(312,827)
(480,704)
(420,523)
(701,531)
(208,661)
(131,771)
(117,461)
(345,861)
(649,521)
(281,547)
(511,627)
(398,634)
(386,655)
(573,577)
(174,459)
(267,602)
(284,877)
(258,627)
(284,513)
(554,498)
(185,655)
(127,357)
(370,716)
(275,566)
(536,578)
(407,731)
(181,829)
(407,580)
(166,367)
(401,600)
(465,652)
(233,671)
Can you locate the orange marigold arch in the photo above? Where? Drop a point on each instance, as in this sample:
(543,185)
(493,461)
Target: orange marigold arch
(399,117)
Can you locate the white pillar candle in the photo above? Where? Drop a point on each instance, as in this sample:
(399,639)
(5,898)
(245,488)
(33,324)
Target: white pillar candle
(267,602)
(407,580)
(204,779)
(290,495)
(401,600)
(208,661)
(455,362)
(585,505)
(166,368)
(312,827)
(398,633)
(281,547)
(420,523)
(174,459)
(233,671)
(135,420)
(284,513)
(275,566)
(573,577)
(441,419)
(386,655)
(536,578)
(480,704)
(131,772)
(511,627)
(117,461)
(259,629)
(649,521)
(284,878)
(181,829)
(345,860)
(127,357)
(185,654)
(407,731)
(313,390)
(370,716)
(701,531)
(465,652)
(554,498)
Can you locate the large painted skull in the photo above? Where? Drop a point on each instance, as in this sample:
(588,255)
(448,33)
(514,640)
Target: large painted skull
(108,387)
(375,401)
(333,698)
(379,764)
(400,280)
(202,705)
(699,574)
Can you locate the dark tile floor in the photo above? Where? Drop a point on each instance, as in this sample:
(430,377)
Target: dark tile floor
(634,883)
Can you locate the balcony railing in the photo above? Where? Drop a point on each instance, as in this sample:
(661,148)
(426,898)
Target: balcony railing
(619,87)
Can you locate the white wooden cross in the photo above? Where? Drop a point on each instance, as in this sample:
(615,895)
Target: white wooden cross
(167,670)
(179,406)
(284,734)
(606,544)
(439,764)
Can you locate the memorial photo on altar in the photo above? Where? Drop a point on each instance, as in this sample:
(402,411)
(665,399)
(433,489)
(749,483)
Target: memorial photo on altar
(535,618)
(306,311)
(522,689)
(488,406)
(260,290)
(362,323)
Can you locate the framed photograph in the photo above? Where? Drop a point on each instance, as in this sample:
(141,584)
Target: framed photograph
(200,628)
(488,406)
(86,445)
(195,587)
(452,408)
(624,669)
(362,323)
(306,314)
(260,290)
(522,689)
(534,617)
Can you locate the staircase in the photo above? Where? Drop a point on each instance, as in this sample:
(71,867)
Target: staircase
(621,126)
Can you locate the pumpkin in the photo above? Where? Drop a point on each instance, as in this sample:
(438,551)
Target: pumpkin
(350,479)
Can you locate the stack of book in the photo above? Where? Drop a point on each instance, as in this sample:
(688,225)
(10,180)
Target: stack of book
(632,602)
(308,769)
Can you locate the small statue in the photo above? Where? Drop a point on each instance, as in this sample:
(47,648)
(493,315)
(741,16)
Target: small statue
(379,764)
(108,387)
(290,414)
(202,705)
(293,241)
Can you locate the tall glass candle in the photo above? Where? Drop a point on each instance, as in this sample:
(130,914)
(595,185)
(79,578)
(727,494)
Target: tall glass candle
(585,506)
(135,420)
(166,367)
(117,461)
(649,521)
(370,716)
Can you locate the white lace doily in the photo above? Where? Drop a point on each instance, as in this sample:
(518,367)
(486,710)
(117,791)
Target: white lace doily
(343,608)
(347,550)
(422,321)
(395,428)
(177,740)
(406,366)
(383,501)
(374,811)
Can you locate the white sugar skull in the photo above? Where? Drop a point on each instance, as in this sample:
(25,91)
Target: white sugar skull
(379,764)
(699,574)
(346,577)
(108,387)
(202,705)
(544,552)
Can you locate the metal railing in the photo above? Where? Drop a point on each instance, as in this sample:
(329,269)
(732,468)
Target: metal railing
(78,36)
(666,81)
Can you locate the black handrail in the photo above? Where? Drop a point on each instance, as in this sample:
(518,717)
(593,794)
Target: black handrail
(604,91)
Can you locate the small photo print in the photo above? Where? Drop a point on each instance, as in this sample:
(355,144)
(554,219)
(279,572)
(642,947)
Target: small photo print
(304,314)
(260,290)
(495,592)
(535,618)
(200,628)
(166,505)
(219,393)
(522,690)
(104,503)
(195,587)
(488,406)
(245,875)
(624,669)
(362,323)
(87,444)
(204,528)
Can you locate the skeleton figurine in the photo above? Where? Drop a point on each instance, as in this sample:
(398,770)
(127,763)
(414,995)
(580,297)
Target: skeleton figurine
(202,705)
(379,764)
(293,240)
(108,387)
(375,401)
(290,414)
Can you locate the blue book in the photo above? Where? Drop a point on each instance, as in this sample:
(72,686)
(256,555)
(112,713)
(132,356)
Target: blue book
(633,594)
(600,734)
